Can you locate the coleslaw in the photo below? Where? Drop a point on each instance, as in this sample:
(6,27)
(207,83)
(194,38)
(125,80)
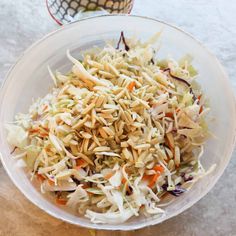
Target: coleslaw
(118,135)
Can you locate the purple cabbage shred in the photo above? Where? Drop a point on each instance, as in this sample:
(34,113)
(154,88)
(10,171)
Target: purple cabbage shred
(178,190)
(122,39)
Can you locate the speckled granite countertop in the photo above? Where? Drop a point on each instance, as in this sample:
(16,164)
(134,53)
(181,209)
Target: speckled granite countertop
(213,22)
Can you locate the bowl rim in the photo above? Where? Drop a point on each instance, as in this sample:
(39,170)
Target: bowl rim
(155,220)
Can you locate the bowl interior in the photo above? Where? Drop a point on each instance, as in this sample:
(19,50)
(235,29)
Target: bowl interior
(29,79)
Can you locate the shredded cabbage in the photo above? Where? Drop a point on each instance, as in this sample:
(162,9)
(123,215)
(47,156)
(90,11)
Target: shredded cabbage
(118,133)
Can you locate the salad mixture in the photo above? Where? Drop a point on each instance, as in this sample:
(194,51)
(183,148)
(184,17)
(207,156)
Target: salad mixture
(116,135)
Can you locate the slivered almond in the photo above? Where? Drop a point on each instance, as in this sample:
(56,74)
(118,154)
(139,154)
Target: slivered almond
(80,123)
(121,94)
(86,135)
(99,101)
(103,133)
(138,125)
(142,146)
(127,94)
(117,139)
(109,131)
(149,79)
(67,138)
(177,156)
(88,109)
(92,146)
(102,121)
(141,157)
(117,90)
(106,74)
(88,124)
(123,136)
(74,149)
(122,114)
(126,72)
(170,141)
(113,69)
(93,117)
(128,117)
(169,153)
(127,154)
(105,100)
(149,135)
(94,100)
(135,103)
(171,165)
(73,142)
(86,158)
(138,108)
(101,88)
(95,64)
(122,104)
(96,140)
(85,145)
(121,127)
(108,111)
(124,144)
(137,133)
(131,142)
(135,154)
(102,149)
(161,78)
(87,98)
(106,116)
(112,154)
(111,106)
(93,71)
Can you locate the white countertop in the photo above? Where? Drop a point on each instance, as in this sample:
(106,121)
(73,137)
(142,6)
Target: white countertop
(213,22)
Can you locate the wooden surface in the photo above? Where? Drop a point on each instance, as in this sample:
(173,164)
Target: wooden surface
(22,22)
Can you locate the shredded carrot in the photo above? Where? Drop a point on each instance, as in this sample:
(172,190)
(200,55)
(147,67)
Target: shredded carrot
(123,181)
(40,177)
(80,163)
(147,177)
(43,134)
(169,114)
(199,97)
(177,110)
(109,175)
(85,185)
(169,145)
(45,107)
(158,168)
(51,182)
(153,180)
(131,86)
(201,109)
(61,201)
(36,130)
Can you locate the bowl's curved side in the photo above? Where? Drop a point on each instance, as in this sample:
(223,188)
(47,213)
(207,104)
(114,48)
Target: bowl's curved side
(55,45)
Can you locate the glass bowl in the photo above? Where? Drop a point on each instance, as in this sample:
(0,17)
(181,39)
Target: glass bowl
(29,79)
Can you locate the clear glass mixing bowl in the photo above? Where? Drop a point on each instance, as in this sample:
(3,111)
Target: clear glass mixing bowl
(29,79)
